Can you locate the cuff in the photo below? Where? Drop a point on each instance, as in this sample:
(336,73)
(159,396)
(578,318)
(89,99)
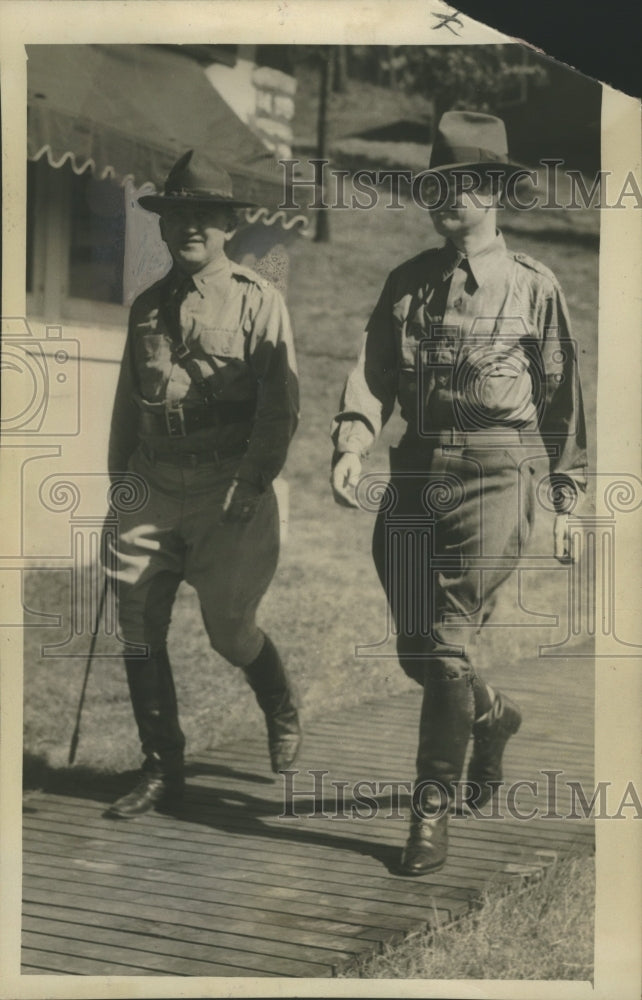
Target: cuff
(352,432)
(256,477)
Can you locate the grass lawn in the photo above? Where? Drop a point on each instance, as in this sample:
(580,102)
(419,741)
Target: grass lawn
(325,598)
(543,932)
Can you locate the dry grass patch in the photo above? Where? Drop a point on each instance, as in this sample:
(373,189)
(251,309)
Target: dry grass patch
(544,931)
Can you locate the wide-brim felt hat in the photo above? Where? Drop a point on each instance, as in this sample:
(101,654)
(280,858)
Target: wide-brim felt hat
(194,181)
(471,140)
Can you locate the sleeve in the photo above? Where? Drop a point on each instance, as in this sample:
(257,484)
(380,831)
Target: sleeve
(123,434)
(273,364)
(562,423)
(368,398)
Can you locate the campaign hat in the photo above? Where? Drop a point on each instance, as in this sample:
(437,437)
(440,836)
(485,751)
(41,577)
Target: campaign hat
(194,180)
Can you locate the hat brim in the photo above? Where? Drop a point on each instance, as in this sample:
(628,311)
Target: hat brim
(158,202)
(497,166)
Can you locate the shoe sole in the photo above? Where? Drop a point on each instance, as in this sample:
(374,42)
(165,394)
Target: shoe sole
(171,800)
(424,871)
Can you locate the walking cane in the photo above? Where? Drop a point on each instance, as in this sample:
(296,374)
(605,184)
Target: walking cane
(73,746)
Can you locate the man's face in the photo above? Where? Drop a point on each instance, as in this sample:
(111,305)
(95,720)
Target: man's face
(195,234)
(462,203)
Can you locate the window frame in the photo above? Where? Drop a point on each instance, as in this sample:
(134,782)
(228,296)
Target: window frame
(51,241)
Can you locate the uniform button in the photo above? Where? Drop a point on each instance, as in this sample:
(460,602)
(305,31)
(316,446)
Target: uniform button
(457,303)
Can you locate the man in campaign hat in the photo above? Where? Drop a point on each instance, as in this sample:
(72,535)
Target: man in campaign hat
(473,341)
(206,405)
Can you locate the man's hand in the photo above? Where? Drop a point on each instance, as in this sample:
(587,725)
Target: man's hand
(344,479)
(561,541)
(241,501)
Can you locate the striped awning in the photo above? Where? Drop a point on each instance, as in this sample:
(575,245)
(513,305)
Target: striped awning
(129,111)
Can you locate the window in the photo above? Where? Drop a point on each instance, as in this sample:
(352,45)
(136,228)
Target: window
(75,245)
(97,239)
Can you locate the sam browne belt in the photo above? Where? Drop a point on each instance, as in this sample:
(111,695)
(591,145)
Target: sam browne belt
(179,421)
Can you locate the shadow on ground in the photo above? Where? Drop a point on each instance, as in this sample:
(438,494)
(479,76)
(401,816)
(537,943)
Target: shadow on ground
(233,810)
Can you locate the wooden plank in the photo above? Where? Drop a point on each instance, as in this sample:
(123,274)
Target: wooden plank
(378,916)
(382,911)
(458,886)
(306,828)
(197,810)
(228,882)
(194,933)
(511,832)
(464,853)
(218,953)
(131,961)
(52,962)
(118,902)
(476,831)
(396,888)
(229,907)
(300,855)
(471,840)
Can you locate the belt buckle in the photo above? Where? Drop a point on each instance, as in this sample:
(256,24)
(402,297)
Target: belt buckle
(175,421)
(455,439)
(181,351)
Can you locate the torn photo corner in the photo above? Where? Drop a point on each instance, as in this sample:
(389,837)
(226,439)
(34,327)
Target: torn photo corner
(320,550)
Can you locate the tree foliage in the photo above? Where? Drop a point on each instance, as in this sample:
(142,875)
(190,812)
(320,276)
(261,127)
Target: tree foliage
(479,77)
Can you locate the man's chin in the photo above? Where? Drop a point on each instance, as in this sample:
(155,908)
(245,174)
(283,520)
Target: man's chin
(445,225)
(191,256)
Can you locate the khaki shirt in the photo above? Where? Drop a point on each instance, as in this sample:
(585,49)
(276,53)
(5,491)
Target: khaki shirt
(237,327)
(471,343)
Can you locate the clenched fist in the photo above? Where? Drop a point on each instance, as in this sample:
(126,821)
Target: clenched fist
(344,479)
(241,501)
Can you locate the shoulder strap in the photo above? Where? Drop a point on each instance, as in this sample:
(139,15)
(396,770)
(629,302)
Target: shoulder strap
(181,354)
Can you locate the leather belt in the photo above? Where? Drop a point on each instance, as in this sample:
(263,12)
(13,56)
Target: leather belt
(179,421)
(190,458)
(500,437)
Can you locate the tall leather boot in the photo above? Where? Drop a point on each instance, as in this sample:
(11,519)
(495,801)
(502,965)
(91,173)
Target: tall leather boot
(491,733)
(153,696)
(444,730)
(268,679)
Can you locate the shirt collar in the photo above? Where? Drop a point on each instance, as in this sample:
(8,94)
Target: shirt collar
(482,264)
(215,270)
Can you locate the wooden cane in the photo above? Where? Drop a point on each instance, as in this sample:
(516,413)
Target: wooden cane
(73,746)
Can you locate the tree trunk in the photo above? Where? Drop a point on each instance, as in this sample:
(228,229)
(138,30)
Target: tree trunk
(392,73)
(340,69)
(322,232)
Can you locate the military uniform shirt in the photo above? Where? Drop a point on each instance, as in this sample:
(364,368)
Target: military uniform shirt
(237,328)
(472,343)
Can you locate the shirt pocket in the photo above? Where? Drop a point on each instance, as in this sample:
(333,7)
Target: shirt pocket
(226,343)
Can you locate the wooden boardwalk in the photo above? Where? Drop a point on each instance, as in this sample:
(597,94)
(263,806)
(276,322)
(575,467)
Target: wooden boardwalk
(228,886)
